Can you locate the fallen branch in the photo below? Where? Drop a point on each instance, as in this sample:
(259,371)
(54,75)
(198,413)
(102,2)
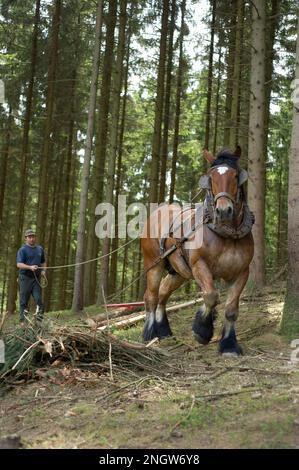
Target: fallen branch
(26,352)
(226,394)
(123,322)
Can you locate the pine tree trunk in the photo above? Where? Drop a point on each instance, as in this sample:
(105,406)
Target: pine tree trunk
(229,73)
(217,101)
(101,147)
(4,161)
(23,183)
(49,300)
(42,210)
(233,140)
(210,78)
(77,304)
(115,107)
(164,153)
(290,322)
(179,89)
(156,151)
(66,192)
(115,243)
(270,39)
(256,162)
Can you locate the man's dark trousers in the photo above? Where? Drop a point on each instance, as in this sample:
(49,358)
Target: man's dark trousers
(30,286)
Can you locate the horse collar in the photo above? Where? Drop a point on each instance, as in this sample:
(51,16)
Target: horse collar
(223,230)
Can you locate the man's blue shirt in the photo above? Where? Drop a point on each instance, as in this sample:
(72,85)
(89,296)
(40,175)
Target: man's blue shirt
(30,255)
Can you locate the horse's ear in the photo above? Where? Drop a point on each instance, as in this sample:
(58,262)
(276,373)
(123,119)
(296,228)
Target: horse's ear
(243,177)
(204,182)
(238,151)
(208,156)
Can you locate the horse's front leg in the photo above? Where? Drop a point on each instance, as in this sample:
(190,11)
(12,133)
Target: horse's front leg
(203,325)
(168,285)
(229,345)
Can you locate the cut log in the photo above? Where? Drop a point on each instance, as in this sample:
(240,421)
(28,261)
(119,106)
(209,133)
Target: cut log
(128,320)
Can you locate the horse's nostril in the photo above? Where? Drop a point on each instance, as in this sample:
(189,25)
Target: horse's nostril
(229,210)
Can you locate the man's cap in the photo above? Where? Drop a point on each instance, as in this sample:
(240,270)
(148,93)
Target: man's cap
(30,231)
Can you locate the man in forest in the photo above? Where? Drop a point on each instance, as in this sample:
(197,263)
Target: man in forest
(31,263)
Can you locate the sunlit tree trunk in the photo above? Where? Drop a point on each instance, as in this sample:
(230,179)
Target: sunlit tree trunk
(210,78)
(115,108)
(179,89)
(256,161)
(233,135)
(290,323)
(164,149)
(115,242)
(98,173)
(156,150)
(42,210)
(23,183)
(77,304)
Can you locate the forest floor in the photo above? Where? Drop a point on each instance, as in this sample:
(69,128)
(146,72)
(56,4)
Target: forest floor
(201,400)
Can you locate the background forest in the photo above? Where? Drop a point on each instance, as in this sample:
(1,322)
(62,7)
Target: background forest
(119,97)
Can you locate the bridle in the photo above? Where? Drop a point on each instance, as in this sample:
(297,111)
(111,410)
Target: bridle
(242,214)
(205,183)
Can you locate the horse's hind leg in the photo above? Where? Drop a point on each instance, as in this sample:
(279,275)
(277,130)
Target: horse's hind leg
(153,279)
(169,284)
(229,344)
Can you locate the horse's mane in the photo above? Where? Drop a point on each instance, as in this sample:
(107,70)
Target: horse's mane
(226,157)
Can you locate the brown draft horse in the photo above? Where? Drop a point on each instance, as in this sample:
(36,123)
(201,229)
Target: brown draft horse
(225,253)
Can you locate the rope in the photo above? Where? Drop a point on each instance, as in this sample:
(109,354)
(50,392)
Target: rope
(90,260)
(44,281)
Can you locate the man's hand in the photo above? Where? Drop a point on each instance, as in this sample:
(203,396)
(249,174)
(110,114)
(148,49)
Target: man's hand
(34,267)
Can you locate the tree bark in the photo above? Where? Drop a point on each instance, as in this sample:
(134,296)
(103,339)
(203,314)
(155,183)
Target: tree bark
(4,161)
(179,89)
(156,150)
(290,321)
(164,153)
(217,101)
(233,135)
(256,161)
(42,210)
(77,304)
(23,183)
(101,147)
(117,85)
(115,242)
(229,74)
(210,78)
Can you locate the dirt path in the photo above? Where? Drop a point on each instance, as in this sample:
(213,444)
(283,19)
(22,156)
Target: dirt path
(196,400)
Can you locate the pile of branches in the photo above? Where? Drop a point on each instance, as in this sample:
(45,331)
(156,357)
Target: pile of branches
(27,350)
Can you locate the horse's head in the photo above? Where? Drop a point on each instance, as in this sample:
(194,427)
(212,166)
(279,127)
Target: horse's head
(223,180)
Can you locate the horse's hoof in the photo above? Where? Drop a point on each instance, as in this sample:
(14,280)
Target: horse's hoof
(162,328)
(149,329)
(201,339)
(154,329)
(229,346)
(203,328)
